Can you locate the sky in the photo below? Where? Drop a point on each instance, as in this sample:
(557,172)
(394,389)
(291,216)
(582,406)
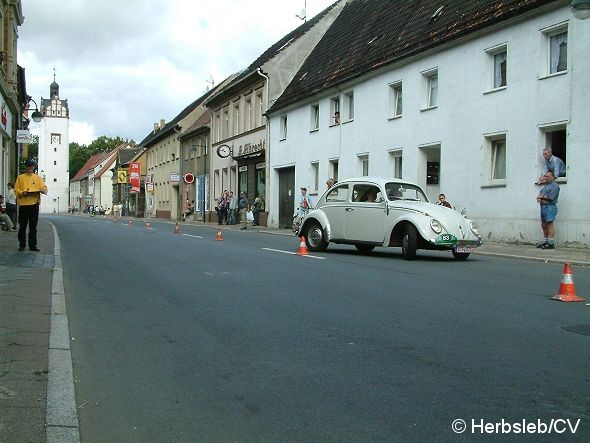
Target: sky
(125,64)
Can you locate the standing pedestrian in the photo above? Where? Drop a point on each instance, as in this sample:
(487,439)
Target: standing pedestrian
(226,207)
(547,199)
(256,209)
(28,188)
(220,208)
(233,208)
(11,203)
(243,205)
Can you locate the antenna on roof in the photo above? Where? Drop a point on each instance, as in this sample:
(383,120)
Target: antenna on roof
(303,14)
(211,81)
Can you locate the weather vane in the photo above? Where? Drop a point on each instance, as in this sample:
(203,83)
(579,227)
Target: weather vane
(303,14)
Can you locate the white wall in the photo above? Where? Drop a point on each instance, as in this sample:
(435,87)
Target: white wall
(459,123)
(50,171)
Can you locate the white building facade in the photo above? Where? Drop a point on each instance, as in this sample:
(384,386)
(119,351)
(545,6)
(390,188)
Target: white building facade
(469,120)
(54,153)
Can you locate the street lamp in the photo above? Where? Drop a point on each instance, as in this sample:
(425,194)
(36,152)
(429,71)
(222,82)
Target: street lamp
(36,115)
(580,9)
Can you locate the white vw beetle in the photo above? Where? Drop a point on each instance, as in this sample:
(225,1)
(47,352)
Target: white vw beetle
(367,212)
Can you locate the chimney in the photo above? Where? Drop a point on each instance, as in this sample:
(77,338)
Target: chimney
(156,127)
(162,123)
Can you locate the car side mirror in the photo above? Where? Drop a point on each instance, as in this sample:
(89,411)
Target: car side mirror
(464,212)
(380,200)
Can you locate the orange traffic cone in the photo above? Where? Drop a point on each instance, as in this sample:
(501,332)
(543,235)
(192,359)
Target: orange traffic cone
(302,247)
(219,237)
(147,226)
(177,228)
(567,290)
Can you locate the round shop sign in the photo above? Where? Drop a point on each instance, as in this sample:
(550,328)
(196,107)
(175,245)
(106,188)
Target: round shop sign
(189,178)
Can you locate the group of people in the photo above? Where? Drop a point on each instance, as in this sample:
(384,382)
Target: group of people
(25,195)
(228,205)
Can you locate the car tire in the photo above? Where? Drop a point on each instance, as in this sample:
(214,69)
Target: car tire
(314,237)
(409,242)
(364,249)
(461,255)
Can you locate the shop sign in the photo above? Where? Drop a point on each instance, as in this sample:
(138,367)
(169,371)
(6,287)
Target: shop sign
(249,148)
(174,177)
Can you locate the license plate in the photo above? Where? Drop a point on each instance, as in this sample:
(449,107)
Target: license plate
(446,239)
(463,249)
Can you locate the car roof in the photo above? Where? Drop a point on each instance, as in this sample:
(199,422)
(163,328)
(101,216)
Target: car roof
(376,180)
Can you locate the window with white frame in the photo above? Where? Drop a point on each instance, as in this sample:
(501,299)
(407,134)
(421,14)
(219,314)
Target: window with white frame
(335,111)
(314,169)
(555,138)
(217,127)
(395,100)
(348,106)
(554,50)
(248,115)
(315,117)
(496,67)
(225,124)
(259,110)
(236,119)
(396,163)
(496,159)
(283,128)
(430,88)
(334,169)
(363,160)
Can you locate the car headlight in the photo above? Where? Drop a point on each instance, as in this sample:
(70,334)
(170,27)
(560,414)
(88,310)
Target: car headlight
(473,228)
(435,226)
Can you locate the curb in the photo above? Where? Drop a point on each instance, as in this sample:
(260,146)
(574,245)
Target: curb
(539,259)
(61,418)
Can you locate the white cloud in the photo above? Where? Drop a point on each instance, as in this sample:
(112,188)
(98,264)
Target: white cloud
(124,65)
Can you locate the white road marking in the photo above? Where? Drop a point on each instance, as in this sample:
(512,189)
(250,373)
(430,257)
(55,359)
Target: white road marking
(195,236)
(209,274)
(293,253)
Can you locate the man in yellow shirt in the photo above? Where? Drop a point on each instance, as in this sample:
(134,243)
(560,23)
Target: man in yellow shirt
(28,188)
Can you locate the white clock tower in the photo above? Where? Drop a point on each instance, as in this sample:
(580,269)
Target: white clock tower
(54,152)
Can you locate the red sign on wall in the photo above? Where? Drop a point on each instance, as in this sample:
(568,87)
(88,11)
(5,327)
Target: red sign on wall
(135,176)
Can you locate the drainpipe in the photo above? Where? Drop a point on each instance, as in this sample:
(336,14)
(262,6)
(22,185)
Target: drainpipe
(267,146)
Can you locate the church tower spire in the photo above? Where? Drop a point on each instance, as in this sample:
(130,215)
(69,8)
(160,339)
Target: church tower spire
(53,88)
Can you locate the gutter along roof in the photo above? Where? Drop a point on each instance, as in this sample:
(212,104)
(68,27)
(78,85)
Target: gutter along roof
(370,34)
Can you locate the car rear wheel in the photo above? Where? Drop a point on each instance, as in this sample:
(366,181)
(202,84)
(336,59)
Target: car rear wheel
(314,237)
(461,255)
(409,242)
(364,249)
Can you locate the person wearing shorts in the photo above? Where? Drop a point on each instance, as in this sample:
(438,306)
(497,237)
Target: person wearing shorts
(547,199)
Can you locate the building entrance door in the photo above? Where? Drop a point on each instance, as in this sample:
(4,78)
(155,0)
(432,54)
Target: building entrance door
(286,196)
(429,171)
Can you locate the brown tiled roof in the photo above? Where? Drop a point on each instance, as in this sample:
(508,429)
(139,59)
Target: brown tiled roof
(201,122)
(369,34)
(87,167)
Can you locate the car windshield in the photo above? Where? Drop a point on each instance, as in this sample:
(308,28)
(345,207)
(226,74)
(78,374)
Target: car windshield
(403,191)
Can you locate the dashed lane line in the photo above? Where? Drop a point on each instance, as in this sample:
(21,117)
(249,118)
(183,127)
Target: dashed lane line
(195,236)
(293,253)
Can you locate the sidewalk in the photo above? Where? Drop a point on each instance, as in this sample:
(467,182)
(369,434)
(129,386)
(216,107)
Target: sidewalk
(25,306)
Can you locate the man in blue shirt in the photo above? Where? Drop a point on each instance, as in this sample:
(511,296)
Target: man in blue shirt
(553,164)
(547,200)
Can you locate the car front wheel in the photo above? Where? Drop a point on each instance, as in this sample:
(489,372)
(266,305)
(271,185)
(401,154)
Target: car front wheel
(409,242)
(314,237)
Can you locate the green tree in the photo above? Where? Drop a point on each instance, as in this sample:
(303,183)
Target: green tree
(79,154)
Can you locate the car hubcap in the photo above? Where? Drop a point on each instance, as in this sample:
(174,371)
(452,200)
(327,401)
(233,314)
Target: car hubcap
(315,237)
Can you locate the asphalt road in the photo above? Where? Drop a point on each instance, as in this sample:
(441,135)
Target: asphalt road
(181,338)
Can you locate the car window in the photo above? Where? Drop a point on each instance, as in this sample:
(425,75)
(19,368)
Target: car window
(366,193)
(338,194)
(403,191)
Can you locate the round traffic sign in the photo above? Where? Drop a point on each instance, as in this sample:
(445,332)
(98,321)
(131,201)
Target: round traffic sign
(189,178)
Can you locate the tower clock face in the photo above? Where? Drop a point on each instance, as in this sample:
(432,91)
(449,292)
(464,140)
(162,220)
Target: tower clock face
(55,138)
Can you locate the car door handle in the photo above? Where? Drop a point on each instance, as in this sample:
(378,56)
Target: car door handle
(349,209)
